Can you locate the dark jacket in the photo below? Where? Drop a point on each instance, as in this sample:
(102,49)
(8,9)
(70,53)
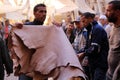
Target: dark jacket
(97,47)
(35,22)
(5,60)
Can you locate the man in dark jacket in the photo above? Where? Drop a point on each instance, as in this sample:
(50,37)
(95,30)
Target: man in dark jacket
(5,60)
(40,15)
(96,47)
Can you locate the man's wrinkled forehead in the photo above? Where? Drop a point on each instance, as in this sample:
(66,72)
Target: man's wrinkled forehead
(88,15)
(115,4)
(109,7)
(41,8)
(83,18)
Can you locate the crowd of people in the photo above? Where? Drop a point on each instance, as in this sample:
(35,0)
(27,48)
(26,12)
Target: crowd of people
(99,51)
(6,62)
(95,40)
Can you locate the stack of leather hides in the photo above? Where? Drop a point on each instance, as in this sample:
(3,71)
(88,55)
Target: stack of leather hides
(44,51)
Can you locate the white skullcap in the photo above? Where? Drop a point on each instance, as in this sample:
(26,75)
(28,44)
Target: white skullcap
(102,17)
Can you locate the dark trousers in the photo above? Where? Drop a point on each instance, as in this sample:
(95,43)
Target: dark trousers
(98,74)
(24,77)
(2,75)
(87,71)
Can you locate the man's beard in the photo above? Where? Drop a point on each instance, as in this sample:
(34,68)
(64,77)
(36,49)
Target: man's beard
(112,19)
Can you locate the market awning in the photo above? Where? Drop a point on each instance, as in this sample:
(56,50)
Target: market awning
(83,7)
(7,9)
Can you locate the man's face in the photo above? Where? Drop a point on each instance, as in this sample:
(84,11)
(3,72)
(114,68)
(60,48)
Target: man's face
(85,21)
(78,25)
(71,26)
(111,14)
(40,14)
(103,21)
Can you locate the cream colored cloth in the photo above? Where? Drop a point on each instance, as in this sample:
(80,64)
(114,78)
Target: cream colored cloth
(45,52)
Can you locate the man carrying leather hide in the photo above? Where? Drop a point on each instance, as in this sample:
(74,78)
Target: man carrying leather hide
(42,51)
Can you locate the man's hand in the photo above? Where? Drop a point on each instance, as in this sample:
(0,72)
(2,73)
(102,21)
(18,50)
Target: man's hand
(18,25)
(81,56)
(57,24)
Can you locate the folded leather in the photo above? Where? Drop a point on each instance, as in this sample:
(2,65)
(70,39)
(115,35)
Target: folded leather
(44,51)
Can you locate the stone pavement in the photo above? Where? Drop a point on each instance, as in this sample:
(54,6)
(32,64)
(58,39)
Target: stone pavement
(11,77)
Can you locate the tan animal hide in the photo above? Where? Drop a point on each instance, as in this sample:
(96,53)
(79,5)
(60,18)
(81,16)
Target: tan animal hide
(42,51)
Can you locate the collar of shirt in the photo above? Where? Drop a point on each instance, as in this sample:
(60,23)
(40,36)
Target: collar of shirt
(37,22)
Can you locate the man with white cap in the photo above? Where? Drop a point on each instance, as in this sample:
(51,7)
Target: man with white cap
(103,21)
